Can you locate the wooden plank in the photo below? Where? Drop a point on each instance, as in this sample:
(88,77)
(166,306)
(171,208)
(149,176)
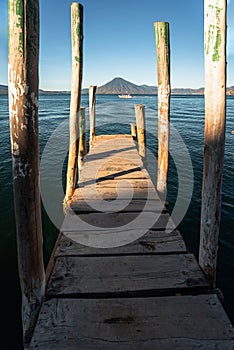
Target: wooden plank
(113,144)
(134,173)
(116,220)
(122,175)
(129,275)
(101,221)
(115,161)
(117,205)
(153,242)
(122,149)
(114,141)
(123,183)
(124,153)
(102,146)
(97,163)
(105,192)
(187,322)
(114,165)
(116,137)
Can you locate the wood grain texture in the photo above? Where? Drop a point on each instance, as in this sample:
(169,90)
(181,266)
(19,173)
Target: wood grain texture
(117,205)
(153,242)
(116,163)
(77,73)
(133,256)
(101,175)
(188,322)
(127,275)
(133,131)
(163,68)
(110,190)
(82,138)
(140,122)
(23,110)
(102,221)
(126,183)
(215,124)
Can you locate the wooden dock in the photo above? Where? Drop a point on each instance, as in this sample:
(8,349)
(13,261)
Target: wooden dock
(120,276)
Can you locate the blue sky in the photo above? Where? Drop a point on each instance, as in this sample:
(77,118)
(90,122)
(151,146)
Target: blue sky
(119,42)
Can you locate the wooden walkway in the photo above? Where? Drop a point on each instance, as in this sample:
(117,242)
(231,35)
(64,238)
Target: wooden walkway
(122,277)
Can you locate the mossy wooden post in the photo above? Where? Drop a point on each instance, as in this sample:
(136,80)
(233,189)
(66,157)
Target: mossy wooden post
(163,64)
(82,139)
(140,121)
(133,131)
(92,102)
(23,109)
(77,67)
(215,120)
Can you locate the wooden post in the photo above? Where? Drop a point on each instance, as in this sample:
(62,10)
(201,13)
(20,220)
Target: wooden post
(140,121)
(82,139)
(134,131)
(23,109)
(163,63)
(215,120)
(92,102)
(77,67)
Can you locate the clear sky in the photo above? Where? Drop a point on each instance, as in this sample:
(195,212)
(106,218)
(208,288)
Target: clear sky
(119,42)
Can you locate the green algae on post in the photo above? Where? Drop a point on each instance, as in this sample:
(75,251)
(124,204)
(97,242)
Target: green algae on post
(16,14)
(218,42)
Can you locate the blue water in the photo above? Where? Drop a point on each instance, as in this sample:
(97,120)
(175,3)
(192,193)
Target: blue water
(114,116)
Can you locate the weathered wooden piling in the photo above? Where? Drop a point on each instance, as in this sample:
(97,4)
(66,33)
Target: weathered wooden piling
(140,121)
(163,64)
(23,109)
(82,138)
(77,68)
(215,120)
(92,114)
(133,131)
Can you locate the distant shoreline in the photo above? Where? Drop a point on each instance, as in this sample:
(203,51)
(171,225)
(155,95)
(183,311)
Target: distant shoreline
(54,93)
(119,86)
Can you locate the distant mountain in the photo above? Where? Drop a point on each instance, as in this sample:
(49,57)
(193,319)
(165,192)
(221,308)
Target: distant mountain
(230,90)
(187,91)
(45,92)
(121,86)
(4,91)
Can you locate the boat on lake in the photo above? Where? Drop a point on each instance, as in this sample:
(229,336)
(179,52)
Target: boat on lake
(125,96)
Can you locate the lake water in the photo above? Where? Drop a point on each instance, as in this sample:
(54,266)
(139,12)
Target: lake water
(114,116)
